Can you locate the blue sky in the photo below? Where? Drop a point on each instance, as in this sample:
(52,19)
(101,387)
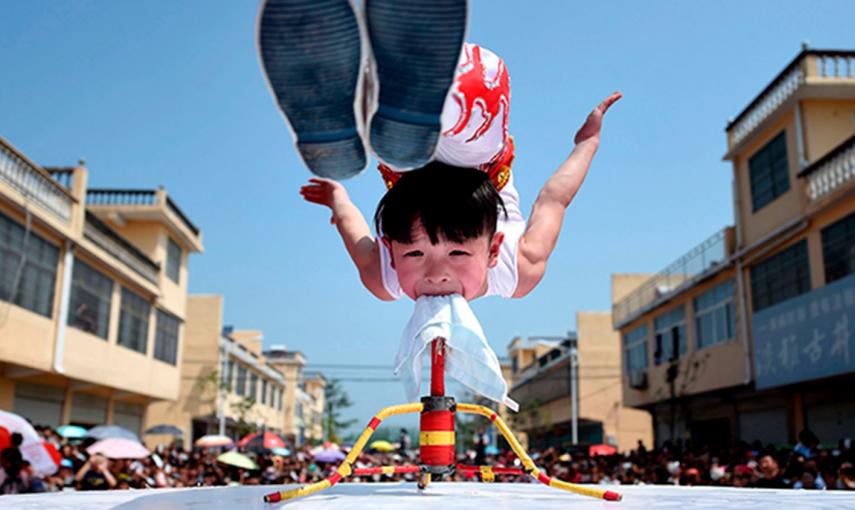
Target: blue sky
(171,93)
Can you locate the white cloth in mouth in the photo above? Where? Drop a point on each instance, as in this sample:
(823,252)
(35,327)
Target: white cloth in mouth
(469,358)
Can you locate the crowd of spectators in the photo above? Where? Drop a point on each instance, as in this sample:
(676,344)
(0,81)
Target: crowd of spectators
(808,465)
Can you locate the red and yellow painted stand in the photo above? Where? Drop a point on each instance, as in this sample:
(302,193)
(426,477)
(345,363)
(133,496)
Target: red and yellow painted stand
(436,444)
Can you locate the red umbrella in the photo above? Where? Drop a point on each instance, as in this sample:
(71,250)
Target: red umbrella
(268,441)
(601,449)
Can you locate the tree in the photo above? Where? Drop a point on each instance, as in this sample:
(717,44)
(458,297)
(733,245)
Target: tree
(336,400)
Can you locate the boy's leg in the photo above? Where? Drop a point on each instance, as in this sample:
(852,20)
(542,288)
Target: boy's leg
(312,55)
(416,45)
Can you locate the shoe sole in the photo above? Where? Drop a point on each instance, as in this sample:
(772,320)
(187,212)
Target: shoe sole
(416,46)
(311,53)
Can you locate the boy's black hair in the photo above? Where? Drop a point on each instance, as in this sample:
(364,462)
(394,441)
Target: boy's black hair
(453,202)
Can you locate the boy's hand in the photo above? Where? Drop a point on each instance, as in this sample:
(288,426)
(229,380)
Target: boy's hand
(591,128)
(324,192)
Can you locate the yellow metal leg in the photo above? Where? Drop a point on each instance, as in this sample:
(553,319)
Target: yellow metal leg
(346,467)
(529,465)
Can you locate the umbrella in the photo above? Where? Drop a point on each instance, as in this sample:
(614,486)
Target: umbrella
(119,448)
(111,431)
(328,445)
(41,455)
(601,449)
(329,456)
(256,440)
(237,459)
(170,430)
(71,431)
(382,446)
(213,440)
(281,451)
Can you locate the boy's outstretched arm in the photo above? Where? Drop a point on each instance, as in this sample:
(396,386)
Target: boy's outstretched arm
(354,231)
(547,214)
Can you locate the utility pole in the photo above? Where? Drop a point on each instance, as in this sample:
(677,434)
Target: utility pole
(573,353)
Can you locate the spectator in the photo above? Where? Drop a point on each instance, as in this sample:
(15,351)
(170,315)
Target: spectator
(770,474)
(12,462)
(95,475)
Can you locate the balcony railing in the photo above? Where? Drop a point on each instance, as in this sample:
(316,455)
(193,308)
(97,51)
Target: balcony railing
(809,65)
(831,171)
(121,197)
(33,182)
(138,197)
(700,261)
(114,244)
(63,175)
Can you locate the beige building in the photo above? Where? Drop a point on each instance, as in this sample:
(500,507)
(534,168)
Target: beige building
(746,336)
(304,395)
(542,385)
(93,288)
(227,386)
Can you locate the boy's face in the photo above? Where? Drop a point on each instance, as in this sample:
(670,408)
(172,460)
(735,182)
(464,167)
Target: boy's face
(425,269)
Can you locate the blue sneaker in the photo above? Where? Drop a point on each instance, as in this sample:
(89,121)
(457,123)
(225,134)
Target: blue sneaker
(313,58)
(415,46)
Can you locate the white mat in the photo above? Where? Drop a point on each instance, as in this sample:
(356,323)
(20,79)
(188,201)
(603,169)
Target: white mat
(439,496)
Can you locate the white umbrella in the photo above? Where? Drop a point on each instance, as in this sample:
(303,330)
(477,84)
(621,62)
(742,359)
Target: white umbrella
(37,452)
(213,440)
(119,448)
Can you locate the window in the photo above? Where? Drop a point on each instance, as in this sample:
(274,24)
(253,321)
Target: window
(166,337)
(279,399)
(264,391)
(780,277)
(253,382)
(838,249)
(769,170)
(241,381)
(635,348)
(133,321)
(91,296)
(173,260)
(30,285)
(715,321)
(229,375)
(670,334)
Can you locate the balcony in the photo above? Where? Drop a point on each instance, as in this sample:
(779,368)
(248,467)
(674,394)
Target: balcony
(808,75)
(144,204)
(831,172)
(35,183)
(117,246)
(700,262)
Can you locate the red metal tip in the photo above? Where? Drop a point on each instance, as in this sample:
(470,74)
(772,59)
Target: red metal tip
(274,497)
(612,496)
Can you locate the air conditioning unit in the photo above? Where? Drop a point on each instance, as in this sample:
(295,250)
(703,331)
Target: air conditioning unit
(638,379)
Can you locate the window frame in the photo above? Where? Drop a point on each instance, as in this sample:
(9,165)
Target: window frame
(764,174)
(703,311)
(159,347)
(41,262)
(88,285)
(127,311)
(837,263)
(666,329)
(631,344)
(776,276)
(173,260)
(241,382)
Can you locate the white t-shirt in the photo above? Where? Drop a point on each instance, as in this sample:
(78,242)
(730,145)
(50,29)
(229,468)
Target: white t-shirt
(502,279)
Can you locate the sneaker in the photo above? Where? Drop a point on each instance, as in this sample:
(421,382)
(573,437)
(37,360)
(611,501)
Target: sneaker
(313,59)
(415,47)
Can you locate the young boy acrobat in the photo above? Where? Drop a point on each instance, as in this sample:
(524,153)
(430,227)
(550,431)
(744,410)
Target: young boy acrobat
(453,225)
